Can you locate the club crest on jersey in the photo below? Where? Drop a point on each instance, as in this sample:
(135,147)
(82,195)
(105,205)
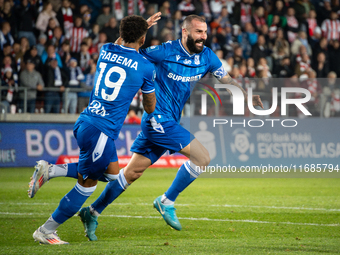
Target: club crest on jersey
(178,57)
(197,60)
(152,48)
(187,62)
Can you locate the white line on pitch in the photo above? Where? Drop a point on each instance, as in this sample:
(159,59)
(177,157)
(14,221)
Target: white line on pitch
(196,219)
(245,206)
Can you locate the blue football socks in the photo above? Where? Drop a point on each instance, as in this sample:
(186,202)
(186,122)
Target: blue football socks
(72,202)
(186,174)
(111,192)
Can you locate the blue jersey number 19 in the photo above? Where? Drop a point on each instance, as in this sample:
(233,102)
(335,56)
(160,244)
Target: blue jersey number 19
(116,85)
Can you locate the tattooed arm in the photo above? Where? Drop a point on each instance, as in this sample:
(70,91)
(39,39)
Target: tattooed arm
(228,80)
(149,102)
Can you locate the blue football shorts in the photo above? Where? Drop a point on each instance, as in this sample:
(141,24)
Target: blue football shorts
(156,138)
(97,150)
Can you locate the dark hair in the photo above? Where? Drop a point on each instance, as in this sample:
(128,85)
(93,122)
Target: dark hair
(132,28)
(190,18)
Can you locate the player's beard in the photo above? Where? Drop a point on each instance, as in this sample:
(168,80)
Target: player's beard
(191,44)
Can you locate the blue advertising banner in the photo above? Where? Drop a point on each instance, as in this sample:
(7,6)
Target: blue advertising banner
(22,144)
(237,141)
(269,142)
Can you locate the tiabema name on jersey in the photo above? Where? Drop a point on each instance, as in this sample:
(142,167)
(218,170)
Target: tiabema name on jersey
(114,58)
(176,77)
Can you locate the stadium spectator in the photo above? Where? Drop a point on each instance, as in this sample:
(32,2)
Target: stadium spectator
(84,55)
(279,9)
(31,79)
(303,66)
(281,42)
(259,50)
(42,40)
(311,22)
(78,33)
(331,27)
(301,39)
(251,72)
(324,12)
(322,46)
(166,30)
(317,35)
(105,16)
(302,9)
(54,77)
(216,7)
(102,40)
(285,70)
(258,20)
(76,76)
(238,56)
(5,35)
(321,66)
(334,57)
(86,22)
(247,40)
(95,34)
(186,7)
(226,65)
(64,53)
(7,14)
(51,53)
(292,27)
(165,10)
(33,56)
(58,38)
(242,13)
(19,56)
(52,24)
(112,30)
(27,11)
(65,18)
(45,16)
(8,95)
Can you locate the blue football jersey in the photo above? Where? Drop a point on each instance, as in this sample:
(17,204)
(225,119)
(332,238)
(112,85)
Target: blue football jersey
(121,72)
(177,73)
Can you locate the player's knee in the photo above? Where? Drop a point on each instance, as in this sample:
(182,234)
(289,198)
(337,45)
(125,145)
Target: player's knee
(131,176)
(205,160)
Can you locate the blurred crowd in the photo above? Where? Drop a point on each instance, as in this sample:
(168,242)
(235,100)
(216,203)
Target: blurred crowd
(51,47)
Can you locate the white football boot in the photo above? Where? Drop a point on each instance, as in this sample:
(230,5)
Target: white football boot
(52,238)
(40,176)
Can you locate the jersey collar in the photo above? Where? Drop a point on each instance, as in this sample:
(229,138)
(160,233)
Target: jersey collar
(180,43)
(127,48)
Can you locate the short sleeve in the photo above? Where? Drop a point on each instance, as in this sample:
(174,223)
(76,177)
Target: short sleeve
(149,78)
(216,67)
(155,54)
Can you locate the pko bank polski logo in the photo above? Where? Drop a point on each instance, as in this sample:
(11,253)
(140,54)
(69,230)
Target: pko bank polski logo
(238,106)
(241,145)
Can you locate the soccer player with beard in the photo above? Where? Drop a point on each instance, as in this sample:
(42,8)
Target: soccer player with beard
(178,65)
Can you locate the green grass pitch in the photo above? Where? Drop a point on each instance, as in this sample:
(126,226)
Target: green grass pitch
(218,216)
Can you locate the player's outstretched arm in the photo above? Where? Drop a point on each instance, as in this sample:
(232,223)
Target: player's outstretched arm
(228,80)
(149,102)
(153,19)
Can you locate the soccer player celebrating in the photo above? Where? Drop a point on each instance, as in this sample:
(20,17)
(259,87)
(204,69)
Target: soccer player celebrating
(178,64)
(121,72)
